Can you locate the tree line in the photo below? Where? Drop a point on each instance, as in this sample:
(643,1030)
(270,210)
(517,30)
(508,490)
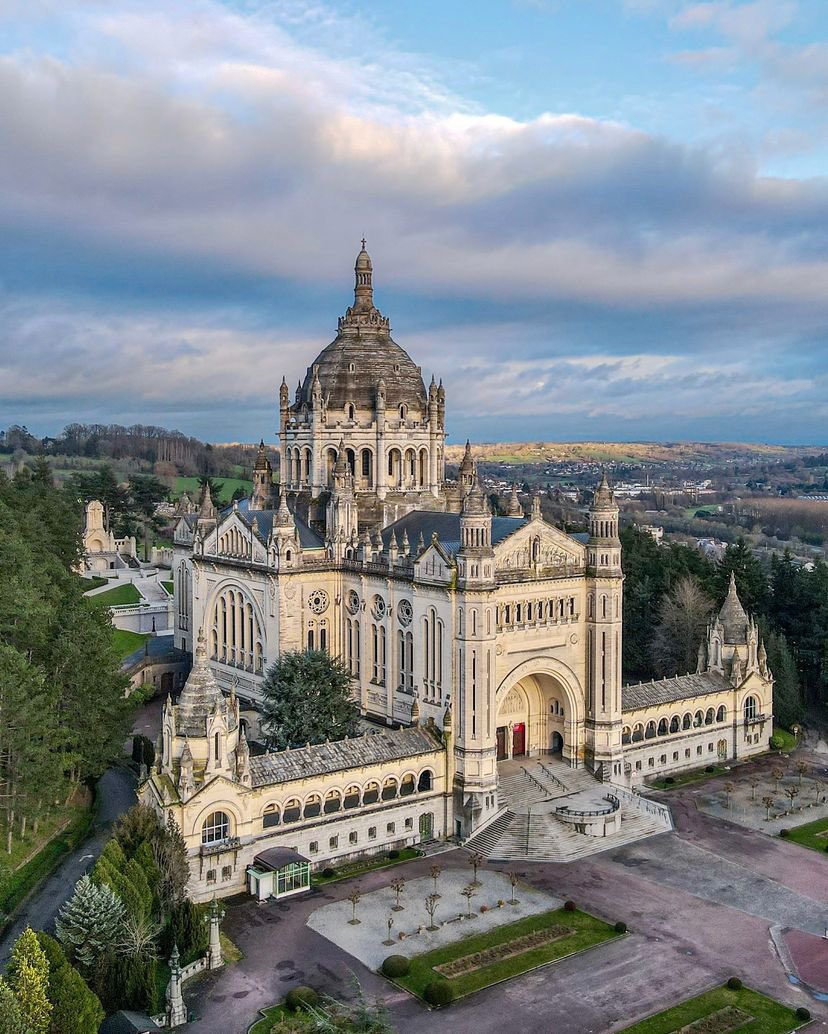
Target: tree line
(672,591)
(63,714)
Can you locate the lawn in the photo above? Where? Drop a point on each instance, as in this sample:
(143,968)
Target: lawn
(169,586)
(126,642)
(121,596)
(358,868)
(769,1017)
(271,1015)
(191,486)
(586,932)
(789,741)
(811,834)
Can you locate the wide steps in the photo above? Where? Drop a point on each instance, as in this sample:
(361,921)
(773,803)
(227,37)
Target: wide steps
(485,841)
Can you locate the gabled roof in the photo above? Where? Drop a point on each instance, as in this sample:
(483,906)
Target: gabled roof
(358,752)
(447,527)
(667,691)
(308,538)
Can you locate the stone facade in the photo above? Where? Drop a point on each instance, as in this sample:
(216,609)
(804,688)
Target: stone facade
(502,635)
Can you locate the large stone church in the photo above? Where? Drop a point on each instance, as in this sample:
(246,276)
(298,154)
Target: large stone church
(473,639)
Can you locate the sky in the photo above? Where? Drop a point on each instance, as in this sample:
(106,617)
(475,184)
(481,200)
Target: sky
(594,219)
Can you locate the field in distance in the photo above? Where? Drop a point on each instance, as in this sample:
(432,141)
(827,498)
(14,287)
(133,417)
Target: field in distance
(715,453)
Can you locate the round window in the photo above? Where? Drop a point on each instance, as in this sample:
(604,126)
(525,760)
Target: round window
(405,612)
(318,601)
(352,601)
(378,608)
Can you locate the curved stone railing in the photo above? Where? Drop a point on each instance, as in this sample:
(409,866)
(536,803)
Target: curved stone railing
(565,812)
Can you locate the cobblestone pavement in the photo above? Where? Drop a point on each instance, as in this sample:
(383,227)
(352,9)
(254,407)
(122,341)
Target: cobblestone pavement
(699,903)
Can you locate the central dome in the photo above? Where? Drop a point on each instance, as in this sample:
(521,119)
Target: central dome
(362,355)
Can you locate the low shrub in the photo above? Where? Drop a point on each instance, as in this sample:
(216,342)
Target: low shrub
(784,833)
(735,984)
(396,966)
(439,993)
(299,998)
(669,779)
(327,872)
(394,854)
(570,906)
(709,768)
(620,927)
(776,743)
(484,908)
(802,1013)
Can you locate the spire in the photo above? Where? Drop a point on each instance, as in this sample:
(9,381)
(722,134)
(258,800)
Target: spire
(732,616)
(341,466)
(515,509)
(363,281)
(262,462)
(415,712)
(536,507)
(200,695)
(467,463)
(207,508)
(603,498)
(284,518)
(475,502)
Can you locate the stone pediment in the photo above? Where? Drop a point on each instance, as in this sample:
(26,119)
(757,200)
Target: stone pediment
(235,536)
(434,565)
(538,544)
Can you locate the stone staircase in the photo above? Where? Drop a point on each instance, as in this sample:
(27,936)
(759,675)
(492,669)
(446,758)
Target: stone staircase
(528,829)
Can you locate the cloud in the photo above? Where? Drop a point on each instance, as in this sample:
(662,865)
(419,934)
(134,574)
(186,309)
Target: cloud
(208,146)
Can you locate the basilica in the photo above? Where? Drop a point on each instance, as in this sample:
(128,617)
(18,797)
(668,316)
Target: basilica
(478,644)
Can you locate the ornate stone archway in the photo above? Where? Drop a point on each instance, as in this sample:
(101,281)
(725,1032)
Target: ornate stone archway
(545,697)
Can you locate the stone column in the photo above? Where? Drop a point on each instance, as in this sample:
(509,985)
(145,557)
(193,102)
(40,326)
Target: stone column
(176,1010)
(215,956)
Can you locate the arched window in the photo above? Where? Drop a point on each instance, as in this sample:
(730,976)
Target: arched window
(698,720)
(709,716)
(625,734)
(293,811)
(352,795)
(236,636)
(662,727)
(313,806)
(650,731)
(638,734)
(371,793)
(408,786)
(751,708)
(271,817)
(215,829)
(687,721)
(721,714)
(333,802)
(675,723)
(426,780)
(351,411)
(402,412)
(389,789)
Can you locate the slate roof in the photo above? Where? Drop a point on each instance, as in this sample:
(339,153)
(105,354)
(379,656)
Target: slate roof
(199,697)
(322,758)
(125,1021)
(278,857)
(447,526)
(666,691)
(157,648)
(308,538)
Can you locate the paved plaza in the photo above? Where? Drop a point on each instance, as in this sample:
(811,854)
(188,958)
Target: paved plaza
(366,940)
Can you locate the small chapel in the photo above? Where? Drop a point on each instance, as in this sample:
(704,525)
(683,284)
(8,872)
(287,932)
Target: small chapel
(485,650)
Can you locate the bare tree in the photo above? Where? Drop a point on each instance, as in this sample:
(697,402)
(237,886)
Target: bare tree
(802,768)
(793,793)
(431,903)
(728,789)
(468,893)
(475,861)
(514,879)
(754,781)
(768,803)
(681,626)
(435,875)
(398,886)
(777,775)
(354,897)
(389,922)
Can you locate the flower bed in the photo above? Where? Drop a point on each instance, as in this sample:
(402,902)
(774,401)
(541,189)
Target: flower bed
(498,952)
(722,1021)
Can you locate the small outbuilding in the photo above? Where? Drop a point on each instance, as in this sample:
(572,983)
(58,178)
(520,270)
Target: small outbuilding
(278,872)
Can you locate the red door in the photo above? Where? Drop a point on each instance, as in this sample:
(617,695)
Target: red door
(518,739)
(501,742)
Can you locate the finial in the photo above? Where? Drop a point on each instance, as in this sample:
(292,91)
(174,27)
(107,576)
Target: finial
(363,244)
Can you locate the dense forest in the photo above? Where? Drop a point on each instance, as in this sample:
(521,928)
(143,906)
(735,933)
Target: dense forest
(672,591)
(63,716)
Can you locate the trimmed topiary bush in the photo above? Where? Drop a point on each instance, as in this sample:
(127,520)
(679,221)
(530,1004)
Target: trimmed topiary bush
(784,833)
(735,984)
(620,927)
(709,768)
(396,966)
(669,779)
(803,1014)
(439,993)
(570,906)
(328,872)
(299,998)
(776,743)
(394,854)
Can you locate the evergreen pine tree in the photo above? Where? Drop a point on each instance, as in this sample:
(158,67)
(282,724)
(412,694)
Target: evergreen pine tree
(788,708)
(28,977)
(76,1009)
(308,698)
(11,1022)
(90,923)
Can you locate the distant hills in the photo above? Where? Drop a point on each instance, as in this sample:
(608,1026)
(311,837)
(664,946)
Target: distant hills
(716,453)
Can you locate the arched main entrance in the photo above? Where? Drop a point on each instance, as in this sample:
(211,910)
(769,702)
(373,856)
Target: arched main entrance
(539,712)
